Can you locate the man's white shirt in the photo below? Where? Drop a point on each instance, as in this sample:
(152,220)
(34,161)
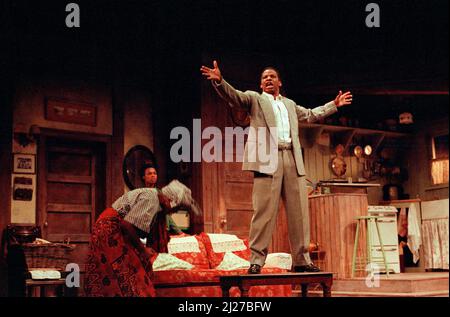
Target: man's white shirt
(281,118)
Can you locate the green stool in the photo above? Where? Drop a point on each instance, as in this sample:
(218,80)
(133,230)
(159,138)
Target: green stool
(370,222)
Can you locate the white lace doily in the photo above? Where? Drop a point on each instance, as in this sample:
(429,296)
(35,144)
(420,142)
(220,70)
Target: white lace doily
(184,244)
(166,262)
(226,242)
(279,260)
(232,262)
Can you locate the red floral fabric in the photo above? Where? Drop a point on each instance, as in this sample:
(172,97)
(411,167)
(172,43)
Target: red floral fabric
(114,266)
(198,259)
(211,275)
(158,234)
(215,258)
(204,263)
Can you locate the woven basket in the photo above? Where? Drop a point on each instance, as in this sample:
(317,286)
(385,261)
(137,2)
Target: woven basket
(49,255)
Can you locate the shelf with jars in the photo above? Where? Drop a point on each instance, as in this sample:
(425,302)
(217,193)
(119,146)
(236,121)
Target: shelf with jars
(311,133)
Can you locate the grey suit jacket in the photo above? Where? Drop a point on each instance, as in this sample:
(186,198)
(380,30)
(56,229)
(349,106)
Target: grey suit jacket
(262,116)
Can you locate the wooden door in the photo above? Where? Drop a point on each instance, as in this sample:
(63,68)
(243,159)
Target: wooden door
(235,191)
(71,191)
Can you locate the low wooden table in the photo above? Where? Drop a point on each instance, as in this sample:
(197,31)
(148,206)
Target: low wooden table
(245,281)
(41,285)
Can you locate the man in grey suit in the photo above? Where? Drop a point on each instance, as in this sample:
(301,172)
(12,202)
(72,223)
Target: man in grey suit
(279,117)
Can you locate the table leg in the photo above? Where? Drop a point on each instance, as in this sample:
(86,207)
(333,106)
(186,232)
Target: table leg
(326,287)
(60,291)
(244,291)
(225,291)
(304,290)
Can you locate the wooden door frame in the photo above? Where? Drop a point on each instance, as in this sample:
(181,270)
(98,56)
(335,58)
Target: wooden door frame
(110,182)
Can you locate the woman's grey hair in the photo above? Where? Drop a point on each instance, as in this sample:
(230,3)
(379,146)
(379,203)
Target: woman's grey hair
(181,196)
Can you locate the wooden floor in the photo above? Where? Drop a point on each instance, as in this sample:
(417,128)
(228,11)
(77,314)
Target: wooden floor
(426,284)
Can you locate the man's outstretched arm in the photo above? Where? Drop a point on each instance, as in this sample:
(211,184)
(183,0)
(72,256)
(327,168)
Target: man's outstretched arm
(231,95)
(311,115)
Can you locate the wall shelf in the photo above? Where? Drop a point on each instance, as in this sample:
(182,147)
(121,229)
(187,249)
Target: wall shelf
(345,135)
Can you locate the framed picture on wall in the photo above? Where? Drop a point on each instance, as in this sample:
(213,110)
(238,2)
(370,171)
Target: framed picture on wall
(24,163)
(23,187)
(76,112)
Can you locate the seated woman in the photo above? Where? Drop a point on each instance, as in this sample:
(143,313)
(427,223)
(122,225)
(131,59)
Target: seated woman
(118,263)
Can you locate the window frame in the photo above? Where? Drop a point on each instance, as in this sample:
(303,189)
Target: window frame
(432,159)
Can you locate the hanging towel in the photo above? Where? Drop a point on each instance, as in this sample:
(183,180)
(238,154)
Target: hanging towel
(414,238)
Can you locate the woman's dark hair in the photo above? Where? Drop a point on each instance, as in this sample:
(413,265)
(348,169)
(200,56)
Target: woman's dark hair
(145,166)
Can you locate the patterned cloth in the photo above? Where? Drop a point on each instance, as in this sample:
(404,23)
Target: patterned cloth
(232,262)
(166,261)
(210,275)
(139,207)
(115,267)
(226,242)
(183,244)
(281,260)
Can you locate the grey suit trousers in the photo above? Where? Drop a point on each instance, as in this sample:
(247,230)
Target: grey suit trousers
(267,190)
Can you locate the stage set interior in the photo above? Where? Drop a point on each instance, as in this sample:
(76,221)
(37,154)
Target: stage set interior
(137,76)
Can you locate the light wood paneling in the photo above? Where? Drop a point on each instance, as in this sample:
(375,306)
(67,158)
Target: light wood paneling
(333,228)
(317,164)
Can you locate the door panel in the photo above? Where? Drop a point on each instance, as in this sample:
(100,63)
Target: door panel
(69,193)
(238,220)
(74,223)
(76,163)
(238,195)
(72,191)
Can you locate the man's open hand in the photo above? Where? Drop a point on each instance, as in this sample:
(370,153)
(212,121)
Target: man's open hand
(343,99)
(212,73)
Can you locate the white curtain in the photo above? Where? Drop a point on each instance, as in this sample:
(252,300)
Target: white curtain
(435,243)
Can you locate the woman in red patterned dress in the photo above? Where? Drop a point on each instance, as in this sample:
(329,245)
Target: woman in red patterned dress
(118,262)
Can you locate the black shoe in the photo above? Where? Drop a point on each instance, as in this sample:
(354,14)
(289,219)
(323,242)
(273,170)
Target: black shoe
(306,268)
(254,269)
